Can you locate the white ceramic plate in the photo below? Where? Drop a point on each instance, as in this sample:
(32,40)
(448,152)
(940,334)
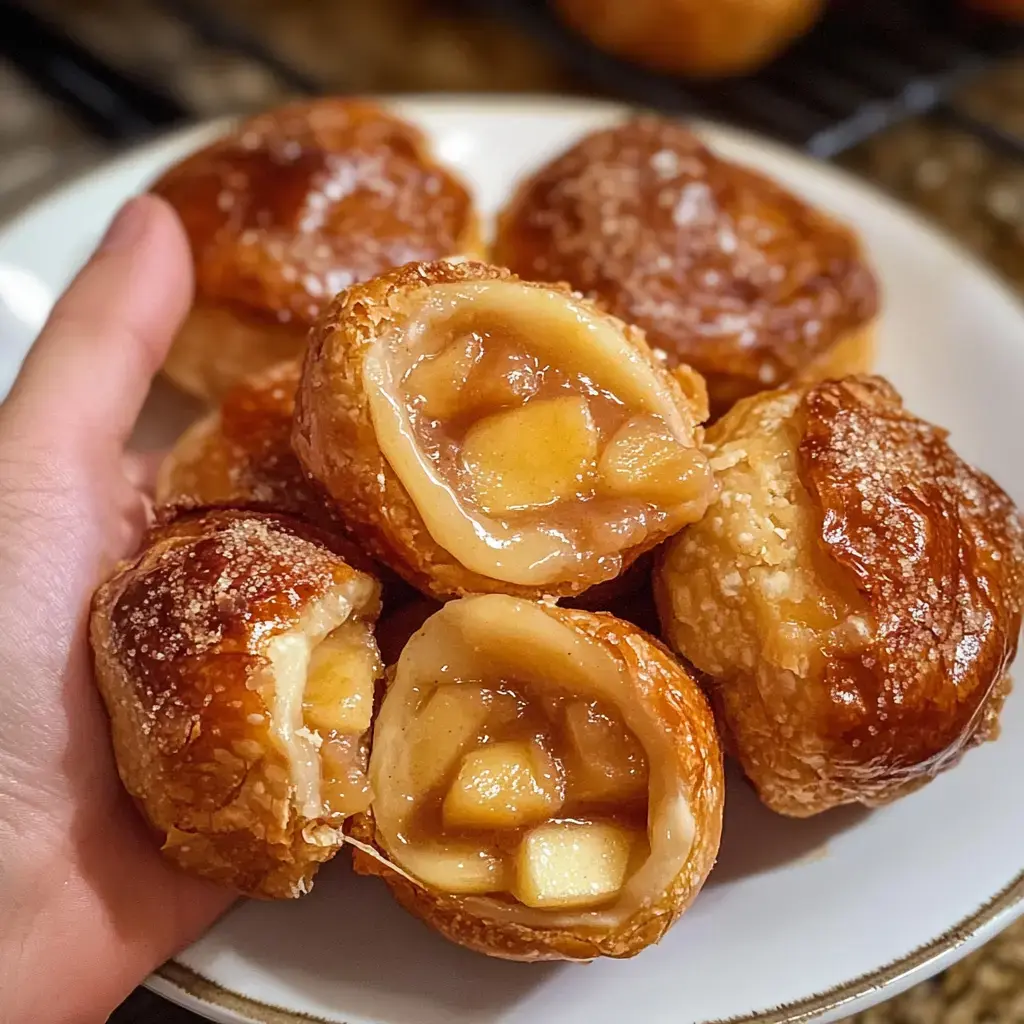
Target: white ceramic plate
(799,919)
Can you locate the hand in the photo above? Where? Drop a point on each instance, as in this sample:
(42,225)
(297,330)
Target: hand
(87,905)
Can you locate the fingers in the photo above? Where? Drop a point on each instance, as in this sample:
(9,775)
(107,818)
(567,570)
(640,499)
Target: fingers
(88,374)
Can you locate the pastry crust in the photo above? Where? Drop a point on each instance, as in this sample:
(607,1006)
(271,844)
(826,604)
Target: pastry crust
(721,267)
(665,707)
(854,596)
(183,638)
(692,37)
(287,210)
(337,436)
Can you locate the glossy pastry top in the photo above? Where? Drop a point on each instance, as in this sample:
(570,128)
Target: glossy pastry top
(721,267)
(854,595)
(209,584)
(297,203)
(935,547)
(484,433)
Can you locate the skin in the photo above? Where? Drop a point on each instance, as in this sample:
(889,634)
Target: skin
(85,898)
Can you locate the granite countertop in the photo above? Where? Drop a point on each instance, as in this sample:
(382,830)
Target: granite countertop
(426,45)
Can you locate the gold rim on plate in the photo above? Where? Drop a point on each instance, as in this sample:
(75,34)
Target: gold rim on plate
(210,993)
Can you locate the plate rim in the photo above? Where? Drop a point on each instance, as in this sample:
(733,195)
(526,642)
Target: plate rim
(191,989)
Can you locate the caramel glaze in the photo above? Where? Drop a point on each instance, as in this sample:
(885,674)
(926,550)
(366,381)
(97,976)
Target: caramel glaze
(298,203)
(935,547)
(722,268)
(179,637)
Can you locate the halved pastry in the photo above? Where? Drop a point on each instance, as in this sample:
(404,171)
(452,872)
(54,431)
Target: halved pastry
(854,596)
(236,658)
(722,268)
(290,208)
(481,433)
(547,782)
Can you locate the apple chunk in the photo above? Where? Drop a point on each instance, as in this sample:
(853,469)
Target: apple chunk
(455,718)
(542,452)
(440,380)
(605,762)
(456,869)
(503,785)
(643,460)
(572,864)
(343,668)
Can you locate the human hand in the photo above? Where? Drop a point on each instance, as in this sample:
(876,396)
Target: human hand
(88,907)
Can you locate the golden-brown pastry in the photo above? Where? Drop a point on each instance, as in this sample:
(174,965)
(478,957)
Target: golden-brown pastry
(1012,10)
(236,658)
(286,211)
(547,782)
(241,453)
(480,433)
(854,595)
(722,268)
(692,37)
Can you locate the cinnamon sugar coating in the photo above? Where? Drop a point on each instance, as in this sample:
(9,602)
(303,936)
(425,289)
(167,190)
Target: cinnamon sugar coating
(290,208)
(854,595)
(722,268)
(180,637)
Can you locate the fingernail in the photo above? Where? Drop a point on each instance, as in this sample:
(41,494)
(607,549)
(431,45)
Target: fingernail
(127,226)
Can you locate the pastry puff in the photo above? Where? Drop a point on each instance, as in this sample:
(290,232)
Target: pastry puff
(548,782)
(289,208)
(723,269)
(236,658)
(854,596)
(479,433)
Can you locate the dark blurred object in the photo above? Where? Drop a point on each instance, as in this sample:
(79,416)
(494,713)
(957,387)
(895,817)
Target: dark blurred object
(692,37)
(867,65)
(113,105)
(1012,9)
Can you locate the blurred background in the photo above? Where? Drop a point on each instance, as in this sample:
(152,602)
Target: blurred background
(924,98)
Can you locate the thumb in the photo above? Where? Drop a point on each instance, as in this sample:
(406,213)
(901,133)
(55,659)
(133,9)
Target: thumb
(89,372)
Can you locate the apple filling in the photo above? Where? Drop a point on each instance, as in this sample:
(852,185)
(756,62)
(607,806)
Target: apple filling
(512,763)
(534,438)
(320,684)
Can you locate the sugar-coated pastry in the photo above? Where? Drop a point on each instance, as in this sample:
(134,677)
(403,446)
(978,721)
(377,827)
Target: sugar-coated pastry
(236,658)
(480,433)
(721,267)
(547,782)
(854,596)
(290,208)
(692,37)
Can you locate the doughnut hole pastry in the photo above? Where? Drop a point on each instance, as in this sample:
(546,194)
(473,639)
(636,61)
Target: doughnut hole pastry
(480,433)
(723,269)
(854,596)
(547,782)
(287,210)
(236,658)
(692,37)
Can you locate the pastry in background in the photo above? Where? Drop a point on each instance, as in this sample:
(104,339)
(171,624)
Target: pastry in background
(236,657)
(692,37)
(547,782)
(721,267)
(479,433)
(287,210)
(1012,10)
(240,455)
(853,596)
